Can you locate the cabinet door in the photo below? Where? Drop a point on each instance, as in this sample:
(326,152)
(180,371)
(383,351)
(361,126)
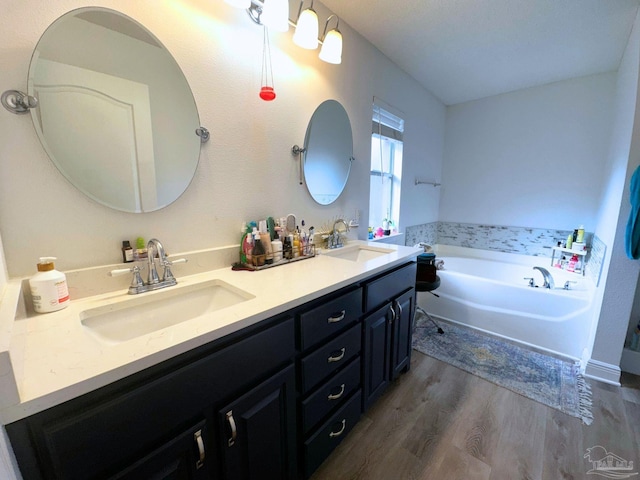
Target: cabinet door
(258,431)
(183,458)
(401,328)
(377,353)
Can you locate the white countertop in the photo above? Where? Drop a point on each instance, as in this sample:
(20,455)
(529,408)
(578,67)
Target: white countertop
(47,359)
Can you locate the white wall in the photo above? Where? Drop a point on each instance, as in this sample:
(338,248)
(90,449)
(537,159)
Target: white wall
(530,158)
(246,170)
(620,275)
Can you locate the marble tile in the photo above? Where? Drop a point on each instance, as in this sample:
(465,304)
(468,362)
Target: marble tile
(520,240)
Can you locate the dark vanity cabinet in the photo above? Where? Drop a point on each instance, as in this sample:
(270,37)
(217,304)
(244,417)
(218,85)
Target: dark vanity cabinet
(390,305)
(165,422)
(269,402)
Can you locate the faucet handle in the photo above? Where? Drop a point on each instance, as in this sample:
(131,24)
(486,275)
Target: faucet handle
(168,274)
(567,284)
(531,282)
(136,280)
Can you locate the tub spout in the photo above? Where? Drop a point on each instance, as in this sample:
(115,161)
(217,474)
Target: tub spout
(548,279)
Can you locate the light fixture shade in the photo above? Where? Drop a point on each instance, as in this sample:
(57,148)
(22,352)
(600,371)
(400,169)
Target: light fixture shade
(306,35)
(331,51)
(239,3)
(275,15)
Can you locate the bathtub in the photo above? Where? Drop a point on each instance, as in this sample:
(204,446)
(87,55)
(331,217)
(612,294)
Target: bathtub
(492,295)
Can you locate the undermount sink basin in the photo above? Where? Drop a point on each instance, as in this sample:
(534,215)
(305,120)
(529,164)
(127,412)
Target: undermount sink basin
(358,253)
(154,311)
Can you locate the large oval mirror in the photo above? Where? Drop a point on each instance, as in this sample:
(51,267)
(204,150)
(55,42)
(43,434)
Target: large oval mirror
(329,152)
(115,112)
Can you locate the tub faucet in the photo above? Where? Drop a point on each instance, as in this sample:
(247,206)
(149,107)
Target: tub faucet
(548,279)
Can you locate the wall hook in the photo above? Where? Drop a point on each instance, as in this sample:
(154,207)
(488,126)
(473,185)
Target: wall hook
(203,133)
(18,102)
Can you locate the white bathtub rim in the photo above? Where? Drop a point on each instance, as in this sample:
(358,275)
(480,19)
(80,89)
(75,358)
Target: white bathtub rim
(560,277)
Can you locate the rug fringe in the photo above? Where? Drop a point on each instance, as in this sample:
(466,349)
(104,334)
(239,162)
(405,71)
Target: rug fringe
(584,397)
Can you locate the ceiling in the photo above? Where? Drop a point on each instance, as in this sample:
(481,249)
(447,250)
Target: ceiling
(462,50)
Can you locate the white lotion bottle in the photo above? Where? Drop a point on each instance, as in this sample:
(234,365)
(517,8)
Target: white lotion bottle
(49,290)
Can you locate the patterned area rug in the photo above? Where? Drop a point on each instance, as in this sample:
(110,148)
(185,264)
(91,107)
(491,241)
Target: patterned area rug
(545,379)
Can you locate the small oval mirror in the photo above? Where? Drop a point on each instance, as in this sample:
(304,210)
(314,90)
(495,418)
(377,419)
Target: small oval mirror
(329,152)
(116,114)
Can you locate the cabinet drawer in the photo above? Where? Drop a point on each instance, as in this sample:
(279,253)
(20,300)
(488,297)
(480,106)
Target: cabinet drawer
(330,357)
(330,395)
(329,317)
(389,286)
(330,434)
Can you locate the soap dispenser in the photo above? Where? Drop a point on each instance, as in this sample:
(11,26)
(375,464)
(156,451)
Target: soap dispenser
(49,290)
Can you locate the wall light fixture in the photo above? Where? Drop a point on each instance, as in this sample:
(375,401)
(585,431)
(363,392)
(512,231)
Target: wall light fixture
(331,51)
(306,35)
(275,15)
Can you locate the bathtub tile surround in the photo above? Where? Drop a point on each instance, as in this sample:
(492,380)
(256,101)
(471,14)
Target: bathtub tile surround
(427,233)
(519,240)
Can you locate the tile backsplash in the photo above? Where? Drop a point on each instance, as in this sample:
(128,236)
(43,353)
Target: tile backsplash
(519,240)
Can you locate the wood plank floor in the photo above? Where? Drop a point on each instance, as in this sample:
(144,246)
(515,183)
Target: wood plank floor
(440,423)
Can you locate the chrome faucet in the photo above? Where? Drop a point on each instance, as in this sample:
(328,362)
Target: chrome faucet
(335,240)
(154,247)
(548,279)
(154,281)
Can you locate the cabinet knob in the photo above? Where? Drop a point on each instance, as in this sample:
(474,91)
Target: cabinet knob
(341,431)
(197,436)
(338,357)
(337,395)
(232,426)
(337,318)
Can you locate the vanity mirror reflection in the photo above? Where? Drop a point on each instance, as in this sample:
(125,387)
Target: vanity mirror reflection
(328,151)
(115,112)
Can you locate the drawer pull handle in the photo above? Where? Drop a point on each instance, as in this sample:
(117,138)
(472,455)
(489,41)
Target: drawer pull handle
(338,318)
(400,309)
(337,395)
(197,436)
(393,313)
(337,358)
(341,431)
(232,426)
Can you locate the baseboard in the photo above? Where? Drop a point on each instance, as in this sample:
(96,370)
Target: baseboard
(603,372)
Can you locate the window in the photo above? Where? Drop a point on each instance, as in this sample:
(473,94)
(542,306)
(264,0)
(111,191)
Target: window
(386,169)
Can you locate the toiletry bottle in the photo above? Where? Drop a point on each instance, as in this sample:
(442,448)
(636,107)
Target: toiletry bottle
(569,241)
(127,252)
(571,266)
(258,253)
(248,247)
(580,236)
(276,250)
(287,247)
(296,245)
(265,239)
(49,291)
